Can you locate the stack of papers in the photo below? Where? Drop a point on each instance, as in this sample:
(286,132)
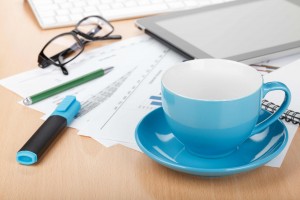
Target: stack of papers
(112,105)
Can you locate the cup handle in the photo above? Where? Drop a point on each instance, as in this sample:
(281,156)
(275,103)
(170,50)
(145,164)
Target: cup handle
(268,87)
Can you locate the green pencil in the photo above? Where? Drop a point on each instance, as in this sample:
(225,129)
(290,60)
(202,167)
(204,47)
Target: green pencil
(66,86)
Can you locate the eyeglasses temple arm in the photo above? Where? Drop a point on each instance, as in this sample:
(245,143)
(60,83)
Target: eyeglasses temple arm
(112,37)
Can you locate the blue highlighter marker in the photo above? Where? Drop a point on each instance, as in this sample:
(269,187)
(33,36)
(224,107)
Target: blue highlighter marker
(34,148)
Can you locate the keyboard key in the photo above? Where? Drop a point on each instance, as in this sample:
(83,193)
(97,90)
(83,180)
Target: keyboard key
(117,5)
(90,9)
(191,3)
(76,10)
(103,7)
(93,2)
(47,7)
(124,12)
(106,1)
(76,17)
(49,13)
(177,4)
(143,2)
(48,21)
(44,2)
(59,1)
(62,19)
(156,1)
(62,12)
(130,4)
(66,5)
(79,4)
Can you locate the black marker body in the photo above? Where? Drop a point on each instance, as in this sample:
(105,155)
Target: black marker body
(45,135)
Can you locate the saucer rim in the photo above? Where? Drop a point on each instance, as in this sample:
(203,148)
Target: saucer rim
(218,171)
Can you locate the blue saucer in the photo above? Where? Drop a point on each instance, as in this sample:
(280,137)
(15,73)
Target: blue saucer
(156,140)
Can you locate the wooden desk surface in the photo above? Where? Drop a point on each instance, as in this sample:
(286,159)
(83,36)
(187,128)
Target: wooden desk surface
(78,167)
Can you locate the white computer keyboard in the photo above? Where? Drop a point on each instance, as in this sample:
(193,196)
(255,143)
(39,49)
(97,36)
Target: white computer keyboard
(60,13)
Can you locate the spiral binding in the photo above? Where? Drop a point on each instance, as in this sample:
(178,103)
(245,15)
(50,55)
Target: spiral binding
(288,116)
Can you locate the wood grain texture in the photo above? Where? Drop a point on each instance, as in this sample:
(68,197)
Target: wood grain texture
(78,167)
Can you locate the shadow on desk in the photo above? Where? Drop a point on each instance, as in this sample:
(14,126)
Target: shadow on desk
(163,183)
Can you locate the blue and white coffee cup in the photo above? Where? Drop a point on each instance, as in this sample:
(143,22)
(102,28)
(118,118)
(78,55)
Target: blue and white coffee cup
(212,105)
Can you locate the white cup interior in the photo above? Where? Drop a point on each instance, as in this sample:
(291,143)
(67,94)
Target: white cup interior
(212,79)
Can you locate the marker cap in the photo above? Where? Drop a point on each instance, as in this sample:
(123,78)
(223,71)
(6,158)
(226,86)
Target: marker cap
(68,108)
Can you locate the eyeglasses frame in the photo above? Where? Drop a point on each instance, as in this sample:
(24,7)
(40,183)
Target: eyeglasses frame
(44,61)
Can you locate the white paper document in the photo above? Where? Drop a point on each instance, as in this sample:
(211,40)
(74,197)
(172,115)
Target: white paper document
(141,95)
(34,81)
(113,105)
(289,75)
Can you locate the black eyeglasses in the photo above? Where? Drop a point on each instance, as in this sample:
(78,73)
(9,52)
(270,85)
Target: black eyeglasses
(92,28)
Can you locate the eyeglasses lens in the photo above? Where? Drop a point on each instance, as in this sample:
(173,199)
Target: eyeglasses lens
(63,49)
(95,26)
